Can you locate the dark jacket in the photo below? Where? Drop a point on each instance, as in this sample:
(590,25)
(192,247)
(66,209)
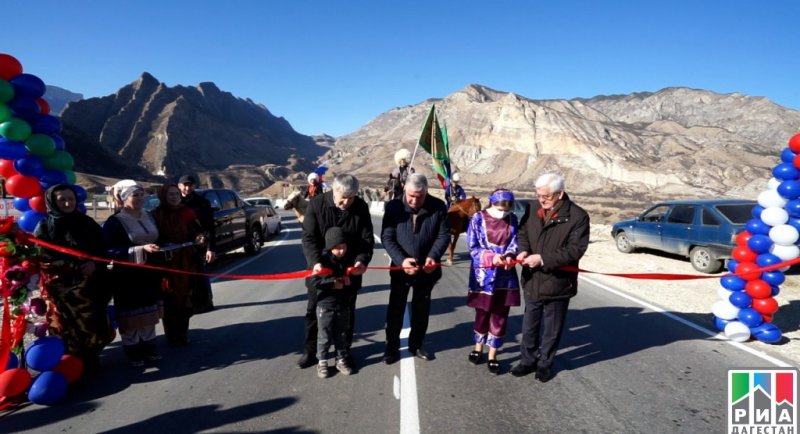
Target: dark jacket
(325,284)
(356,223)
(561,243)
(202,207)
(428,238)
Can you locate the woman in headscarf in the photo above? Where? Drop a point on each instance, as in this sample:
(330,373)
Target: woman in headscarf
(493,281)
(131,236)
(177,224)
(74,287)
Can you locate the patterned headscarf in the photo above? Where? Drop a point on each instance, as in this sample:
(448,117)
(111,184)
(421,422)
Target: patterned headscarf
(500,196)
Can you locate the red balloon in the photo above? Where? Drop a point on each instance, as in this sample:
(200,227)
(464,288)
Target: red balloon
(37,203)
(745,270)
(744,254)
(44,106)
(765,306)
(794,143)
(743,237)
(766,318)
(71,366)
(7,169)
(14,381)
(23,186)
(9,67)
(758,289)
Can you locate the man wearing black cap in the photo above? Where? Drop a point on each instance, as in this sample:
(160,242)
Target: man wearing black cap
(202,298)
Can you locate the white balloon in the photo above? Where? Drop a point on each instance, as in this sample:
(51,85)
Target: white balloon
(725,310)
(773,184)
(786,253)
(774,216)
(737,332)
(785,235)
(724,293)
(771,198)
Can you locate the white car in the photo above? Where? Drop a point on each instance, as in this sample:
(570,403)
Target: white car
(259,201)
(272,225)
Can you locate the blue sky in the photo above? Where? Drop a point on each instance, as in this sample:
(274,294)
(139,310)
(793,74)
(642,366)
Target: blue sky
(332,66)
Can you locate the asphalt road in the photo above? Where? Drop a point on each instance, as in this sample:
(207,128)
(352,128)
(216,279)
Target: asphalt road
(622,368)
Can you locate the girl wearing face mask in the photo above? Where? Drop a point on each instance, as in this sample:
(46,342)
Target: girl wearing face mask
(493,281)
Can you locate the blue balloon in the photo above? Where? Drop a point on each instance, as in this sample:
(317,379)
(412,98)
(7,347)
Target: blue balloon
(80,193)
(750,317)
(793,207)
(720,323)
(785,172)
(775,291)
(28,85)
(787,155)
(794,222)
(732,263)
(10,150)
(773,277)
(53,176)
(59,141)
(81,207)
(766,259)
(733,283)
(46,124)
(759,243)
(27,222)
(13,361)
(48,388)
(740,299)
(21,204)
(24,107)
(44,353)
(789,189)
(767,332)
(756,227)
(756,212)
(30,165)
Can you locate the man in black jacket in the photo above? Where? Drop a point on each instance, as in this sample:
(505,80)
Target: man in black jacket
(555,235)
(202,297)
(415,234)
(339,207)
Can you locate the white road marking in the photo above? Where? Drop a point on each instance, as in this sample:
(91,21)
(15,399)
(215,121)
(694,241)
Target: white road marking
(284,235)
(714,335)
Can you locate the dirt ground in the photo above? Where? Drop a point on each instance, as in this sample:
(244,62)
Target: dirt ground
(690,299)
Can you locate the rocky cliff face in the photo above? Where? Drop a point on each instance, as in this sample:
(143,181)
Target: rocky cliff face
(677,142)
(58,98)
(168,131)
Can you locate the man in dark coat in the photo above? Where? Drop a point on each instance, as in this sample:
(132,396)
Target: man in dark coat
(415,234)
(343,208)
(555,235)
(202,297)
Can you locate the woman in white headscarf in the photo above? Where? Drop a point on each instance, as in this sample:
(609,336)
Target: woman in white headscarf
(131,236)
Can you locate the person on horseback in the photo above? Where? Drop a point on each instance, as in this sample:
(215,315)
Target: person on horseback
(314,187)
(455,193)
(397,179)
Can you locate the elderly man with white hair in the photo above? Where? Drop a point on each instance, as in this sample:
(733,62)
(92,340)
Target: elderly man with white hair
(340,207)
(555,235)
(415,234)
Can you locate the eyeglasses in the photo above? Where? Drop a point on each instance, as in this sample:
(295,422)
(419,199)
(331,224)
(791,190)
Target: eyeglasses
(550,196)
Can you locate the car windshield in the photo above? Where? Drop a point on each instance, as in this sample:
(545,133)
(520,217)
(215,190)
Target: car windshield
(737,214)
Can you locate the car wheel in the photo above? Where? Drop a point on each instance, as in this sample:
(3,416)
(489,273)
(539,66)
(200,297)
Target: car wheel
(623,243)
(704,261)
(253,245)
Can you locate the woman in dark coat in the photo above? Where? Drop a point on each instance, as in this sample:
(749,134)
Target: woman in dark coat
(131,236)
(75,288)
(177,224)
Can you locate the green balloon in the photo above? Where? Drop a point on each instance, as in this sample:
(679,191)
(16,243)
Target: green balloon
(6,91)
(5,113)
(71,178)
(60,160)
(15,129)
(41,145)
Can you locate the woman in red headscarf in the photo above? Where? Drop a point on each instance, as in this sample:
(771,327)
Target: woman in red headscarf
(177,224)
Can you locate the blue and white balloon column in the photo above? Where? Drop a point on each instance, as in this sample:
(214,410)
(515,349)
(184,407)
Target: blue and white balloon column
(748,302)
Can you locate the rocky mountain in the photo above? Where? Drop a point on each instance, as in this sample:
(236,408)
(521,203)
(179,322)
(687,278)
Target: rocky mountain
(58,98)
(165,131)
(623,150)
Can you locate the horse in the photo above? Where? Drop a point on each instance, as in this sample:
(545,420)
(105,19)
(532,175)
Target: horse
(458,216)
(296,202)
